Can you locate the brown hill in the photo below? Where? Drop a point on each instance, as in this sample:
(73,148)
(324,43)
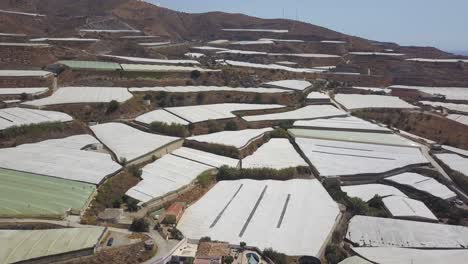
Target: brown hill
(66,16)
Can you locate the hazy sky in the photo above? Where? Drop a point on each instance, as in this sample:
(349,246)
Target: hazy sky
(439,23)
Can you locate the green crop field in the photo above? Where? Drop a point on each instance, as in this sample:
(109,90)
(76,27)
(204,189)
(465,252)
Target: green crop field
(26,195)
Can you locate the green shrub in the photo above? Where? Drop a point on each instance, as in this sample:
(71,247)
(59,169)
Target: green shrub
(139,225)
(231,126)
(170,220)
(226,173)
(276,257)
(279,133)
(134,171)
(258,98)
(214,126)
(460,179)
(147,97)
(132,204)
(176,234)
(200,98)
(223,150)
(358,206)
(116,203)
(333,188)
(286,124)
(189,260)
(33,129)
(172,129)
(205,179)
(113,106)
(334,254)
(161,96)
(377,207)
(228,259)
(23,96)
(205,239)
(195,74)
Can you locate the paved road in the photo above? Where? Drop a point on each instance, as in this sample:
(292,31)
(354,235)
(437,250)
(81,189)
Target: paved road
(165,247)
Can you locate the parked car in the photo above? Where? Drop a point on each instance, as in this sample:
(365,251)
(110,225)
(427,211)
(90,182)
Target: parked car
(110,242)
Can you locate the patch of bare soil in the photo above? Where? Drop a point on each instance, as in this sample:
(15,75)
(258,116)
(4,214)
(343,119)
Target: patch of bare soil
(131,254)
(100,112)
(427,125)
(110,194)
(193,195)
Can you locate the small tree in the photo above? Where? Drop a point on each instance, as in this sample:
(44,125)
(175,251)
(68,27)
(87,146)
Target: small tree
(242,245)
(139,225)
(189,260)
(195,74)
(358,206)
(205,239)
(228,259)
(334,254)
(276,257)
(176,234)
(200,98)
(231,126)
(132,204)
(279,133)
(134,171)
(116,203)
(258,98)
(113,106)
(23,96)
(205,179)
(170,220)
